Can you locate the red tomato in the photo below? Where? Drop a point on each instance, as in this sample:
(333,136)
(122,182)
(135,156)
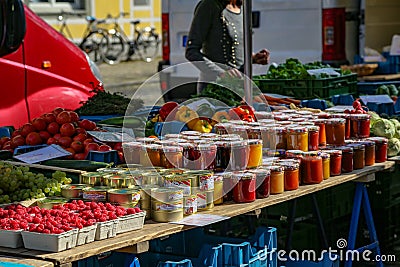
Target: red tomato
(15,133)
(74,116)
(45,135)
(49,117)
(7,146)
(77,146)
(121,157)
(72,151)
(65,141)
(27,128)
(33,139)
(118,146)
(39,124)
(86,124)
(53,127)
(91,147)
(80,156)
(87,141)
(63,117)
(104,148)
(16,141)
(80,130)
(4,139)
(80,137)
(51,141)
(57,136)
(57,111)
(67,129)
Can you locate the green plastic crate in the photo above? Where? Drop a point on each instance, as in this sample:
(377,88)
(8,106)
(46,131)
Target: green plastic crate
(308,89)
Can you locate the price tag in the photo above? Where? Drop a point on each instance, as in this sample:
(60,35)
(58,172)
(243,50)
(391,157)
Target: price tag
(42,154)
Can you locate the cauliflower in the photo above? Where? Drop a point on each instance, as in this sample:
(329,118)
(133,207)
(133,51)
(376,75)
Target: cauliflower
(393,147)
(396,124)
(374,117)
(383,128)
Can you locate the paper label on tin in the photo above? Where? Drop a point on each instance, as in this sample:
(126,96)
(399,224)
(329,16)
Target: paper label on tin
(185,185)
(206,183)
(94,196)
(175,196)
(135,197)
(168,207)
(201,200)
(190,205)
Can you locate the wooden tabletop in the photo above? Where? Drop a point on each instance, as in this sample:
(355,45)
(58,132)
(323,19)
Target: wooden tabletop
(383,77)
(152,230)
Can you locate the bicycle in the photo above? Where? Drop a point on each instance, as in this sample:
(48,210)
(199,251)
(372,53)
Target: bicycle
(145,42)
(94,39)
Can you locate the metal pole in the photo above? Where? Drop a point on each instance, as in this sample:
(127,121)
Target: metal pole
(248,50)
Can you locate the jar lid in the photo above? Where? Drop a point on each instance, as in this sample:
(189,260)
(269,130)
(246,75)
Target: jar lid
(239,143)
(304,112)
(267,121)
(298,119)
(261,171)
(283,123)
(146,140)
(239,128)
(294,152)
(186,145)
(378,140)
(178,140)
(335,152)
(346,149)
(289,166)
(340,115)
(281,117)
(172,149)
(297,129)
(275,168)
(231,137)
(172,136)
(306,123)
(166,142)
(359,116)
(323,115)
(336,121)
(247,176)
(222,144)
(312,154)
(127,145)
(356,146)
(263,114)
(254,129)
(288,161)
(278,129)
(325,155)
(319,121)
(252,142)
(313,128)
(209,135)
(366,142)
(206,146)
(153,147)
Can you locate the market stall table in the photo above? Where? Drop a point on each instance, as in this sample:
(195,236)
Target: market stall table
(137,241)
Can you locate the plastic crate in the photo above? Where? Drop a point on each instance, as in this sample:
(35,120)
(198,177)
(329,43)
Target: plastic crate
(109,259)
(130,222)
(309,89)
(25,149)
(370,88)
(11,238)
(379,103)
(104,156)
(50,242)
(6,131)
(327,261)
(86,235)
(390,66)
(314,103)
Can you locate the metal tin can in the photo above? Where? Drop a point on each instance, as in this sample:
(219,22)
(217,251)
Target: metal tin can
(92,178)
(151,178)
(98,193)
(119,181)
(205,199)
(202,179)
(124,196)
(111,170)
(167,194)
(190,205)
(180,181)
(145,196)
(166,206)
(73,190)
(218,189)
(167,216)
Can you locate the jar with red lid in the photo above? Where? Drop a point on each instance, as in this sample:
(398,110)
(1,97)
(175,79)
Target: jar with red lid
(369,152)
(335,161)
(335,131)
(313,138)
(171,157)
(297,138)
(239,155)
(360,125)
(346,117)
(347,159)
(132,152)
(207,153)
(277,179)
(263,183)
(245,188)
(291,175)
(381,147)
(358,155)
(312,171)
(322,133)
(223,155)
(255,153)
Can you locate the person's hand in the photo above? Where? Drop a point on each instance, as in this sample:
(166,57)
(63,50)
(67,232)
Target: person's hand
(234,73)
(262,57)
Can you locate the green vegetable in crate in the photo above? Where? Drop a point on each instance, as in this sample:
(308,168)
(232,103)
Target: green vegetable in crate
(396,125)
(126,121)
(383,90)
(383,128)
(374,117)
(393,147)
(393,90)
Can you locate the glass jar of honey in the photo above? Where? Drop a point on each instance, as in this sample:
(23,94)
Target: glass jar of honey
(297,138)
(245,188)
(326,165)
(360,125)
(277,179)
(381,146)
(313,138)
(255,153)
(312,168)
(322,133)
(335,131)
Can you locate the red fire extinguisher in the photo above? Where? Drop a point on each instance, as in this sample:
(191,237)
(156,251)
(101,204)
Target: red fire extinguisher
(334,35)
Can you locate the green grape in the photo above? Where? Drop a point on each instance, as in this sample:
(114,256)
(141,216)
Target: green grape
(46,190)
(51,193)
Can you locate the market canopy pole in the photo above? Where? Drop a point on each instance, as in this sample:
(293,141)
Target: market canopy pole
(248,50)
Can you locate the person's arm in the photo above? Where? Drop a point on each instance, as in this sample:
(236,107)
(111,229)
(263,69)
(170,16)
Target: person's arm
(204,15)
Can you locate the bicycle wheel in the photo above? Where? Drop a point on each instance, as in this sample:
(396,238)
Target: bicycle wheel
(115,50)
(95,45)
(147,46)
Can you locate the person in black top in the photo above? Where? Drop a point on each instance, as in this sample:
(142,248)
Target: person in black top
(215,41)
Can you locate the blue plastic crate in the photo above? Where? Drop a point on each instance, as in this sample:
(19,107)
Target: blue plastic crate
(104,156)
(342,100)
(110,259)
(25,149)
(379,103)
(370,88)
(327,261)
(314,103)
(390,66)
(6,131)
(97,118)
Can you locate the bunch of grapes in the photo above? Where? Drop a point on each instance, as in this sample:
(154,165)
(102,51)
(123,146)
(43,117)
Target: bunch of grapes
(18,183)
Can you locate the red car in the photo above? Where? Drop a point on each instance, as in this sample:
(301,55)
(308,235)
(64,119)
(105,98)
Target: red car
(45,72)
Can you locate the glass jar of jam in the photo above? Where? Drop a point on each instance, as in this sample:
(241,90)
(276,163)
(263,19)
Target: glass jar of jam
(240,130)
(358,155)
(223,155)
(222,128)
(297,138)
(239,155)
(278,138)
(245,189)
(335,131)
(207,153)
(254,132)
(369,152)
(263,182)
(172,157)
(312,170)
(229,183)
(322,134)
(360,125)
(291,175)
(346,117)
(264,136)
(335,161)
(144,156)
(132,152)
(347,159)
(277,179)
(313,138)
(255,153)
(190,156)
(326,165)
(381,147)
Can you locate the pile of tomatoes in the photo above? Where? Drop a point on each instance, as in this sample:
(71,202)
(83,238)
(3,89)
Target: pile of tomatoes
(61,127)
